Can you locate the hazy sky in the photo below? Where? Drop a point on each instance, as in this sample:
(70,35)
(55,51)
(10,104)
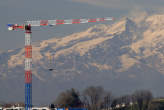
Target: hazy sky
(17,11)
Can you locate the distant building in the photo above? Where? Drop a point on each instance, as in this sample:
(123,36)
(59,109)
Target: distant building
(22,108)
(40,108)
(13,108)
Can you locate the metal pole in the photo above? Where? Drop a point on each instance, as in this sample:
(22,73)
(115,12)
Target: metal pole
(28,65)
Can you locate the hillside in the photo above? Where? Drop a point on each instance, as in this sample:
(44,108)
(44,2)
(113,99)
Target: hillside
(122,57)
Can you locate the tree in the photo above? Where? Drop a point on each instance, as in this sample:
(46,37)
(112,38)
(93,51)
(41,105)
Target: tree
(143,99)
(69,98)
(93,97)
(108,99)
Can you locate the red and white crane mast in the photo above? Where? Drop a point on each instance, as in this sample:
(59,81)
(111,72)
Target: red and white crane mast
(28,46)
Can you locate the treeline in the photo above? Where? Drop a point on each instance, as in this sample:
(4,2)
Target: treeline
(97,98)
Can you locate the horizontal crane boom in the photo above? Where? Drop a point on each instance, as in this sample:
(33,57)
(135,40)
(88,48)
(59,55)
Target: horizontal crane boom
(57,22)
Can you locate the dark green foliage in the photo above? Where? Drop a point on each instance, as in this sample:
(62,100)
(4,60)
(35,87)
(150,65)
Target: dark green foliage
(69,98)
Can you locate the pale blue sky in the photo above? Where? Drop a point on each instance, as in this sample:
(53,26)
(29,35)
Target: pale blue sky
(17,11)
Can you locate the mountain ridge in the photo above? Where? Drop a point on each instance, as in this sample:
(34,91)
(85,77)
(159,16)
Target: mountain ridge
(127,53)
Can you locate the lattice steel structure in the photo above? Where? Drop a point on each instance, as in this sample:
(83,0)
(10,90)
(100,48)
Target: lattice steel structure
(28,46)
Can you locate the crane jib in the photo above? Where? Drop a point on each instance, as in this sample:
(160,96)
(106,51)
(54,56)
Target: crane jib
(57,22)
(28,48)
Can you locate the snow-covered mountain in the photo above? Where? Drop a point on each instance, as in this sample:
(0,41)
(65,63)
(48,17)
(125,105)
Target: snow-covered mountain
(122,57)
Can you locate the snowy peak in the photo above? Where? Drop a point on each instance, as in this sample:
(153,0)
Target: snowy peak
(125,35)
(156,20)
(126,29)
(127,53)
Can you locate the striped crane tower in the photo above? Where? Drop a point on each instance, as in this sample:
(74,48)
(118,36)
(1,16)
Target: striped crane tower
(28,46)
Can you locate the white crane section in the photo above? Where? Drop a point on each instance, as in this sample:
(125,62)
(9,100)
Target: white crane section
(57,22)
(69,21)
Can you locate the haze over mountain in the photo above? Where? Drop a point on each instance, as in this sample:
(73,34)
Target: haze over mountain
(123,57)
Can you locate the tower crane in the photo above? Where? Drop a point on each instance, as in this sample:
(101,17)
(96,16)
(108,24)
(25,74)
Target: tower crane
(28,46)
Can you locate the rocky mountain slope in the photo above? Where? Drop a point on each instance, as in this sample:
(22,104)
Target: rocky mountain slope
(122,57)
